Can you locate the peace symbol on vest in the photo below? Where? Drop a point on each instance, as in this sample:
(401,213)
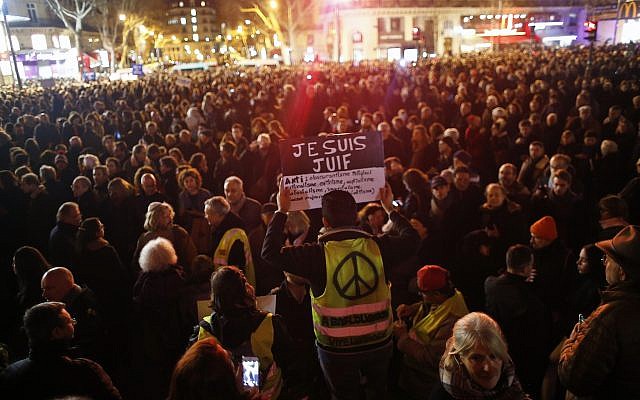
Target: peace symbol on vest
(348,278)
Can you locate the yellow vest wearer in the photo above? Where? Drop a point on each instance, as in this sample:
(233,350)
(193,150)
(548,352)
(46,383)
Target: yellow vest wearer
(355,308)
(425,325)
(261,343)
(221,254)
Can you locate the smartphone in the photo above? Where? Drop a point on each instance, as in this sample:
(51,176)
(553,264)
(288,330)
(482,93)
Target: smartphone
(250,372)
(117,135)
(397,203)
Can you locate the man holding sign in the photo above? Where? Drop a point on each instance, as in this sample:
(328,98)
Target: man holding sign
(351,303)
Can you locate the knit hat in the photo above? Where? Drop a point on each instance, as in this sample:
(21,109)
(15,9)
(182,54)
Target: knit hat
(545,228)
(453,133)
(432,277)
(463,156)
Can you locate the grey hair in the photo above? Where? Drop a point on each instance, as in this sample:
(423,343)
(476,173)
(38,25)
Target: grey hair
(85,181)
(47,173)
(234,179)
(157,255)
(64,210)
(154,209)
(474,329)
(218,205)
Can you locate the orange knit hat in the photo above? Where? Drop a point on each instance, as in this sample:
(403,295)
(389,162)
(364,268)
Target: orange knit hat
(545,228)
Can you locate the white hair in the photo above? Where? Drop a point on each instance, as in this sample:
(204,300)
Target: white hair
(157,255)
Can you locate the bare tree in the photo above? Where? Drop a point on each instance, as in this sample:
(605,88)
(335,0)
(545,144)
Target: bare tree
(72,13)
(116,18)
(130,23)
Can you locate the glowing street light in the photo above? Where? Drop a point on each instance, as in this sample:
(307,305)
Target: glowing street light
(273,4)
(122,17)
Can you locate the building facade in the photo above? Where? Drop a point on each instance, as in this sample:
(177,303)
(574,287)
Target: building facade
(44,48)
(358,30)
(191,31)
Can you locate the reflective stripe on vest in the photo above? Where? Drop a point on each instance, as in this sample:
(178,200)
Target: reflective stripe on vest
(221,254)
(261,343)
(355,308)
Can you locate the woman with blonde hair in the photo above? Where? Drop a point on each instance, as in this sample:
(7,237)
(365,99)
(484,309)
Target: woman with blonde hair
(476,363)
(159,223)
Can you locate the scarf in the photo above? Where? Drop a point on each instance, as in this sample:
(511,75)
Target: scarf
(428,321)
(457,382)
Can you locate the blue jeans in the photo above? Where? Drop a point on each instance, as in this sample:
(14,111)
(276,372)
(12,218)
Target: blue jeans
(344,371)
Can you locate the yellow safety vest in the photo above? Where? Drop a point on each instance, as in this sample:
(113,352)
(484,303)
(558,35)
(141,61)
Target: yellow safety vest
(261,343)
(221,255)
(355,308)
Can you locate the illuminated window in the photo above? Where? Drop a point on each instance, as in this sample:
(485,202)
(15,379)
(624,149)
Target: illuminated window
(195,28)
(39,42)
(15,42)
(65,43)
(183,20)
(194,20)
(202,4)
(181,4)
(193,12)
(196,37)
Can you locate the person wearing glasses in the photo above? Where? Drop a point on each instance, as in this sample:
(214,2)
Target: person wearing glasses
(58,284)
(49,372)
(599,358)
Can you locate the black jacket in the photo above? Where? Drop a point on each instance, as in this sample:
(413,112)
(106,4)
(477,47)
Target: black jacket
(62,242)
(49,373)
(526,324)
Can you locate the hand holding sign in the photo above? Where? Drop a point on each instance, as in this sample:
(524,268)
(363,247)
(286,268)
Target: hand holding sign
(386,198)
(284,198)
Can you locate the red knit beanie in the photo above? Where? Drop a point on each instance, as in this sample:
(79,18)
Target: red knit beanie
(545,228)
(432,277)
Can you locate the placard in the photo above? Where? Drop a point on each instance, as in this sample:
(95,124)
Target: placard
(183,81)
(136,69)
(313,166)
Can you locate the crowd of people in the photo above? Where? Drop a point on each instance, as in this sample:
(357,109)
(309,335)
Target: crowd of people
(140,221)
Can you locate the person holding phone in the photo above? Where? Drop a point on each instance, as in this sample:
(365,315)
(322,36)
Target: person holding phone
(254,337)
(206,372)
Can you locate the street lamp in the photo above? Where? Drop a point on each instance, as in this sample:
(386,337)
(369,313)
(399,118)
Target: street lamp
(273,4)
(7,30)
(122,17)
